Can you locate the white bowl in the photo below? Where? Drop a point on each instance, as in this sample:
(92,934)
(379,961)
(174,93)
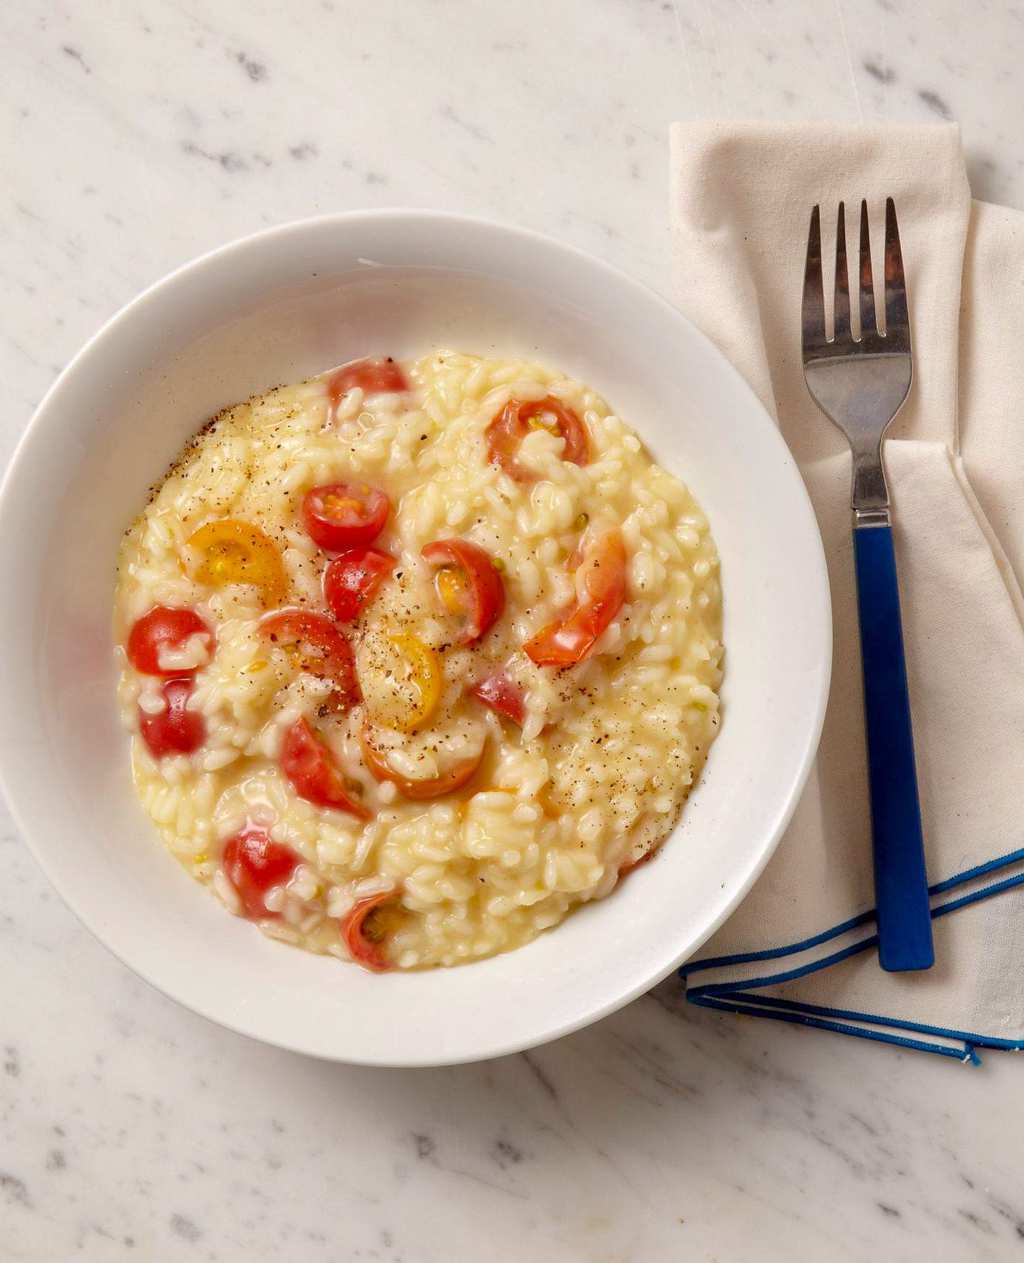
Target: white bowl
(278,307)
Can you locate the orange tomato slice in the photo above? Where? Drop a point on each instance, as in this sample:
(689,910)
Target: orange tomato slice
(601,578)
(447,782)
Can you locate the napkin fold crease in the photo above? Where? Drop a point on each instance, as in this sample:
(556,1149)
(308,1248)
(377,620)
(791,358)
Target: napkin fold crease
(803,947)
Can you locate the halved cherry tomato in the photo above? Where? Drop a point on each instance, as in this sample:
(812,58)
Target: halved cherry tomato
(511,425)
(313,774)
(446,783)
(364,930)
(160,630)
(315,646)
(253,863)
(425,674)
(175,730)
(353,578)
(373,377)
(238,552)
(344,515)
(402,682)
(601,589)
(502,695)
(468,584)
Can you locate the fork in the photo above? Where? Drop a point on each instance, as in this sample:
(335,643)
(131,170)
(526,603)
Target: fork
(860,384)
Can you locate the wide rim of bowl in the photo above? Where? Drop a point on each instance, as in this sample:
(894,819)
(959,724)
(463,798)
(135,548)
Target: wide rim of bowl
(38,423)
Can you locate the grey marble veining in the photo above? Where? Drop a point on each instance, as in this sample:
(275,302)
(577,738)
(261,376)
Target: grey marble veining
(139,134)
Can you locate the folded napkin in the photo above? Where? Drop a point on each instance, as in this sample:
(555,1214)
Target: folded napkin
(802,947)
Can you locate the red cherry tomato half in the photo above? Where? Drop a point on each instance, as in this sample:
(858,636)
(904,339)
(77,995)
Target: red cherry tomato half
(175,730)
(502,695)
(364,931)
(353,578)
(317,647)
(163,628)
(344,515)
(253,863)
(373,377)
(474,575)
(516,419)
(601,578)
(313,774)
(446,783)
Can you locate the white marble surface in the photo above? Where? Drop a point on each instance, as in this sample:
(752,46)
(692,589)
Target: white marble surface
(138,133)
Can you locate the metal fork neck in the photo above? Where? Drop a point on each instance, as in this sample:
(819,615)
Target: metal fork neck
(870,496)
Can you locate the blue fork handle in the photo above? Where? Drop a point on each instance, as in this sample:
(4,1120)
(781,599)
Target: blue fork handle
(901,882)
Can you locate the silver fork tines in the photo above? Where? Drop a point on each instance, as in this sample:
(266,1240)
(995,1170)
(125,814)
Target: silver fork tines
(859,383)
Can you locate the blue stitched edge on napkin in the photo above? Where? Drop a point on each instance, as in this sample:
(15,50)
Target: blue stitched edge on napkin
(740,997)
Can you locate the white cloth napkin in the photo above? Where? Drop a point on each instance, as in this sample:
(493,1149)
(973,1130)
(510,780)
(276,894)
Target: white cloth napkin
(801,946)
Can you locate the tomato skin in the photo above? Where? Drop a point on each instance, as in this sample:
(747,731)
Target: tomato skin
(630,866)
(175,730)
(454,778)
(353,578)
(602,579)
(373,377)
(253,863)
(342,515)
(502,695)
(312,772)
(321,649)
(486,590)
(512,424)
(368,953)
(163,627)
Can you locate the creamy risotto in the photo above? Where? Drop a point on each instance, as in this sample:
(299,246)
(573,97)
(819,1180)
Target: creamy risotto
(417,657)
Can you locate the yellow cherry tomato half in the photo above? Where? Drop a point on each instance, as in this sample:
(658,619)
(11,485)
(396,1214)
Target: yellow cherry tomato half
(424,673)
(231,551)
(401,680)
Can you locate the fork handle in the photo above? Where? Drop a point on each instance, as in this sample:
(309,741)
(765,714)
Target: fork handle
(901,882)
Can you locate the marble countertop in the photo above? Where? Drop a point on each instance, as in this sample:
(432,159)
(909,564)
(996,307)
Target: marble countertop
(139,134)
